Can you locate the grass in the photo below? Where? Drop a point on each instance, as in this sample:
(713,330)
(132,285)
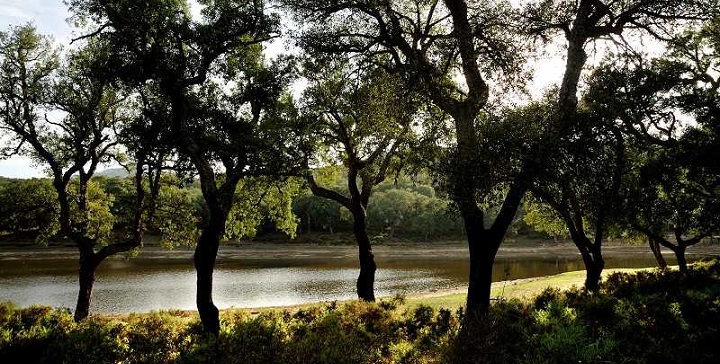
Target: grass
(522,289)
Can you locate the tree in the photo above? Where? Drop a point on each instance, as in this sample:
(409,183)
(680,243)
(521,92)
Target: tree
(674,187)
(582,23)
(71,147)
(186,60)
(405,212)
(28,205)
(263,199)
(363,121)
(178,218)
(669,198)
(426,44)
(581,182)
(316,213)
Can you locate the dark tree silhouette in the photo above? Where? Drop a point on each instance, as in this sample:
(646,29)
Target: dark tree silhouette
(158,42)
(32,82)
(364,118)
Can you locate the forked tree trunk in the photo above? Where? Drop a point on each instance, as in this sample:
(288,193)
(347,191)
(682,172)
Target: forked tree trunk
(366,279)
(87,266)
(594,265)
(483,245)
(204,260)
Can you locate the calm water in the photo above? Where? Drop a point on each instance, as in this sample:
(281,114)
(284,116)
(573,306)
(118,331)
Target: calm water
(143,285)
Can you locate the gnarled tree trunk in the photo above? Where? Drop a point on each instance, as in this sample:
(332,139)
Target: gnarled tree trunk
(594,265)
(204,260)
(366,279)
(87,266)
(679,249)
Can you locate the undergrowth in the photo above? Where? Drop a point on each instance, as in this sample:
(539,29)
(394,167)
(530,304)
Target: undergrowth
(648,317)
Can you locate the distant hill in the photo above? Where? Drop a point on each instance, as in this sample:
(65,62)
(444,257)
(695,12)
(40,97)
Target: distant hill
(113,172)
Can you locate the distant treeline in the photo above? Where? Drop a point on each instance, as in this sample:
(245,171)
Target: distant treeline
(404,208)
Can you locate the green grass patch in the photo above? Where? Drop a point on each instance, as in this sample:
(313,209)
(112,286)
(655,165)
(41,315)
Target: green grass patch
(522,289)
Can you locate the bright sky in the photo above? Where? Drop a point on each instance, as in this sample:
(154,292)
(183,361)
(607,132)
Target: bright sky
(50,18)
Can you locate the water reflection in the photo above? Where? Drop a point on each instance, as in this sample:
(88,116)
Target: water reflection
(152,290)
(144,285)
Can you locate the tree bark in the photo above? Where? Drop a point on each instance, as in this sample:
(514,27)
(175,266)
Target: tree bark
(655,247)
(87,266)
(204,260)
(594,265)
(483,249)
(483,245)
(366,279)
(680,255)
(592,259)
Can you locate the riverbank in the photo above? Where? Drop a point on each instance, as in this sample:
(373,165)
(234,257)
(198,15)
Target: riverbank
(652,317)
(452,299)
(266,275)
(522,289)
(309,251)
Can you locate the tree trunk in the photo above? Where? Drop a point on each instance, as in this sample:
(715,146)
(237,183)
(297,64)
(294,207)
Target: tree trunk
(87,266)
(680,255)
(481,269)
(594,265)
(483,245)
(593,271)
(366,279)
(655,247)
(204,259)
(567,98)
(483,248)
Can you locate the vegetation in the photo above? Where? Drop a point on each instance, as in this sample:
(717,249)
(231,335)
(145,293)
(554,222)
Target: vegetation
(222,142)
(368,145)
(648,317)
(403,208)
(74,145)
(455,55)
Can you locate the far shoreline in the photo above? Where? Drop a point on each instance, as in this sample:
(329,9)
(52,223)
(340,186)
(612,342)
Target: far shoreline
(448,255)
(541,249)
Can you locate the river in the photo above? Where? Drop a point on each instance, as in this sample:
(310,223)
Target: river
(275,276)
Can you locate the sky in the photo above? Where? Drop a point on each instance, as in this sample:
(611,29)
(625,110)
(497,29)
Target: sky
(50,18)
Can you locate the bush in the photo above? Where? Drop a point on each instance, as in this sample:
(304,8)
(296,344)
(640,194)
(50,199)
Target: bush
(654,317)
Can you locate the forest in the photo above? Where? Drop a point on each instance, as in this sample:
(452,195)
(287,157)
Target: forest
(381,118)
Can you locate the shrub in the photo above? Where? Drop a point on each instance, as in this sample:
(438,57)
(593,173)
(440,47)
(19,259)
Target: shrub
(92,341)
(653,317)
(155,338)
